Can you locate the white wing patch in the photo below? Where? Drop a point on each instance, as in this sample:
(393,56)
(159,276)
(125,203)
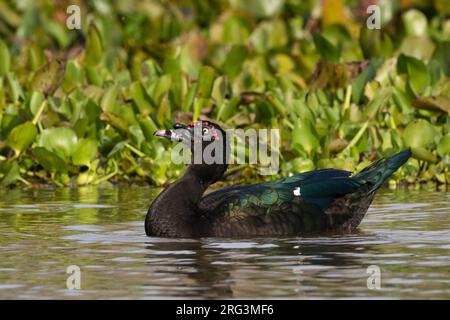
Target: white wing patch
(297,192)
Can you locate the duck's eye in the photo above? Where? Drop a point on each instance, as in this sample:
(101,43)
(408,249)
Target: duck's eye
(205,130)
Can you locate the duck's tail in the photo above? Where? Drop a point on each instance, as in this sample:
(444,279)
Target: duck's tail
(379,171)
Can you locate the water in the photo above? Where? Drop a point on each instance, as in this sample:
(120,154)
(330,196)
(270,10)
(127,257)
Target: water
(42,232)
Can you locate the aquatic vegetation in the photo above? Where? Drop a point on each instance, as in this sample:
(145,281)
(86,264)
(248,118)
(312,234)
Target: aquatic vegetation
(80,106)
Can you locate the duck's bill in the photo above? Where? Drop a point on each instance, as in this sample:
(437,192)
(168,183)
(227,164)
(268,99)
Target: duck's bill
(168,134)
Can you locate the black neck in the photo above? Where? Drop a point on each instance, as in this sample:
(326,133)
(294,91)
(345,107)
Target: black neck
(175,211)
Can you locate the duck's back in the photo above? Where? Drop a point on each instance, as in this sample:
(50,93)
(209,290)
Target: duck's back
(290,206)
(320,200)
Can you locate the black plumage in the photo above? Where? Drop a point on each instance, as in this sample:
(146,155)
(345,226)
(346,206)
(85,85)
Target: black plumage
(315,201)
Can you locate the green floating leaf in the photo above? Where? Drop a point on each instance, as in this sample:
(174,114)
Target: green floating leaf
(61,141)
(115,121)
(5,58)
(259,8)
(15,90)
(137,134)
(189,99)
(326,49)
(415,22)
(423,154)
(375,43)
(228,108)
(73,76)
(148,126)
(233,63)
(22,136)
(443,147)
(359,83)
(142,100)
(11,175)
(50,160)
(419,134)
(418,75)
(109,99)
(206,79)
(442,56)
(36,100)
(94,46)
(305,137)
(417,71)
(379,100)
(85,151)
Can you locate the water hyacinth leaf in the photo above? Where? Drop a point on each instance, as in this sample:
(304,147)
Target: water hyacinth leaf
(442,55)
(377,102)
(375,43)
(73,76)
(127,113)
(115,121)
(61,141)
(305,137)
(148,126)
(5,58)
(118,147)
(93,76)
(259,8)
(189,99)
(50,160)
(22,136)
(415,22)
(418,75)
(142,100)
(435,103)
(48,78)
(36,56)
(137,134)
(326,49)
(94,46)
(11,175)
(423,154)
(402,100)
(443,147)
(419,134)
(85,151)
(359,83)
(172,67)
(109,99)
(36,100)
(206,77)
(15,90)
(8,122)
(228,108)
(162,87)
(234,60)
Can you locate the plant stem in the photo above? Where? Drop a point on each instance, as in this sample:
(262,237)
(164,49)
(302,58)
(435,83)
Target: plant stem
(357,136)
(136,151)
(40,110)
(348,95)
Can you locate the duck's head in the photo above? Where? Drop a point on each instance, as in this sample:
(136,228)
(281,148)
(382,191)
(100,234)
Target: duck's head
(198,136)
(193,132)
(208,144)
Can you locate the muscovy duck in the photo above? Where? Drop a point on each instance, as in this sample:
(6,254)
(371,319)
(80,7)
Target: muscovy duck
(309,202)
